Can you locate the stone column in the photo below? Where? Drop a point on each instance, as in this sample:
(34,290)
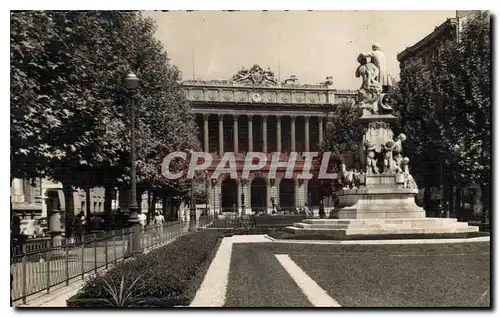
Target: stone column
(29,195)
(245,189)
(320,125)
(306,128)
(238,200)
(235,133)
(301,193)
(250,134)
(205,132)
(278,134)
(292,125)
(17,191)
(264,134)
(217,198)
(273,192)
(221,134)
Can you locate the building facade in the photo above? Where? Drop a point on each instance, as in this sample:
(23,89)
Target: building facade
(29,200)
(253,111)
(428,47)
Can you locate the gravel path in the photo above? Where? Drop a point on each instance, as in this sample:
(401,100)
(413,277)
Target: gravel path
(212,292)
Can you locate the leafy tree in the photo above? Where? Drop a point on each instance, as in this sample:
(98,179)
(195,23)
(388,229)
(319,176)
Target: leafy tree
(446,111)
(62,122)
(342,137)
(419,118)
(70,110)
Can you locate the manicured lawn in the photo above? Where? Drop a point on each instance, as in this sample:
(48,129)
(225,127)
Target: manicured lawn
(426,275)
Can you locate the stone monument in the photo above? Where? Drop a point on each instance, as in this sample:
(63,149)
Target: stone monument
(380,199)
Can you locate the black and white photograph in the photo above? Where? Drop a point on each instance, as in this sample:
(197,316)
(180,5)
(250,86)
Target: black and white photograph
(251,159)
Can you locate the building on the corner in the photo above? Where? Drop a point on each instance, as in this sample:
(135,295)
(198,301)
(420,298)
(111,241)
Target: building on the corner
(428,47)
(253,111)
(28,198)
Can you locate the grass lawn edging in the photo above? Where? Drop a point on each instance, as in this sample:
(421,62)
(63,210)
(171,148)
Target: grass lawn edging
(281,235)
(165,277)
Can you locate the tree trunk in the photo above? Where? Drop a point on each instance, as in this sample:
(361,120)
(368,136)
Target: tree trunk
(486,200)
(150,201)
(68,198)
(109,195)
(69,210)
(138,198)
(164,206)
(87,202)
(458,202)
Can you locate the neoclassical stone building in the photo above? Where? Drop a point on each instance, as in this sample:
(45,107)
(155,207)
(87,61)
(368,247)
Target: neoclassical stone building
(253,111)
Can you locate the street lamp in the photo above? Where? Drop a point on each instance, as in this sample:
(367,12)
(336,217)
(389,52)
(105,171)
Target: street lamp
(456,151)
(214,182)
(132,83)
(207,194)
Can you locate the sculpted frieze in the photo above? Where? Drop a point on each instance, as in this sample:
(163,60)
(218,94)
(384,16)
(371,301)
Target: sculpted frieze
(213,95)
(300,97)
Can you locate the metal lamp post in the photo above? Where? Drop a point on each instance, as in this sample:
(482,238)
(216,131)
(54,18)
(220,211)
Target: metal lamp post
(132,83)
(214,182)
(207,195)
(456,152)
(220,203)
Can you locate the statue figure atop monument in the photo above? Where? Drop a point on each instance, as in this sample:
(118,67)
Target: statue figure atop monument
(370,90)
(372,95)
(378,58)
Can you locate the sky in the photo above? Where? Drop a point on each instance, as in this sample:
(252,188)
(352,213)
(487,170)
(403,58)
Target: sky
(309,44)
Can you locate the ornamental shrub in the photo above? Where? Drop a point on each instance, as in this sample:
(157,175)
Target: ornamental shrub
(163,274)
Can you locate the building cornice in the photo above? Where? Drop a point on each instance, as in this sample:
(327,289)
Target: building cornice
(438,31)
(229,92)
(256,85)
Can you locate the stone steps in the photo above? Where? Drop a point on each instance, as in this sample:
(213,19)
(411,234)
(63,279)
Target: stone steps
(379,214)
(378,221)
(375,231)
(346,227)
(379,226)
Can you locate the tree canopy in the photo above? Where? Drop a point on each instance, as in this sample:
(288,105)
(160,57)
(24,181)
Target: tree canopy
(446,108)
(70,109)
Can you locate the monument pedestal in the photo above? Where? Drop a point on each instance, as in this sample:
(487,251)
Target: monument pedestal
(381,207)
(381,197)
(383,200)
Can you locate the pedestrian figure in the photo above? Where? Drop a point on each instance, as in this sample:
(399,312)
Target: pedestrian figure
(322,213)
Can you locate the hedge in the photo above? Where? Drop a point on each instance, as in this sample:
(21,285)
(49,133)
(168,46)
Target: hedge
(162,277)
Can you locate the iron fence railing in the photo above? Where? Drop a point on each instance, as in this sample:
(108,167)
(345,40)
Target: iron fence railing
(252,223)
(40,266)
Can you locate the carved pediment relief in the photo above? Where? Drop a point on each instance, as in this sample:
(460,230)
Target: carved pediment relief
(255,76)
